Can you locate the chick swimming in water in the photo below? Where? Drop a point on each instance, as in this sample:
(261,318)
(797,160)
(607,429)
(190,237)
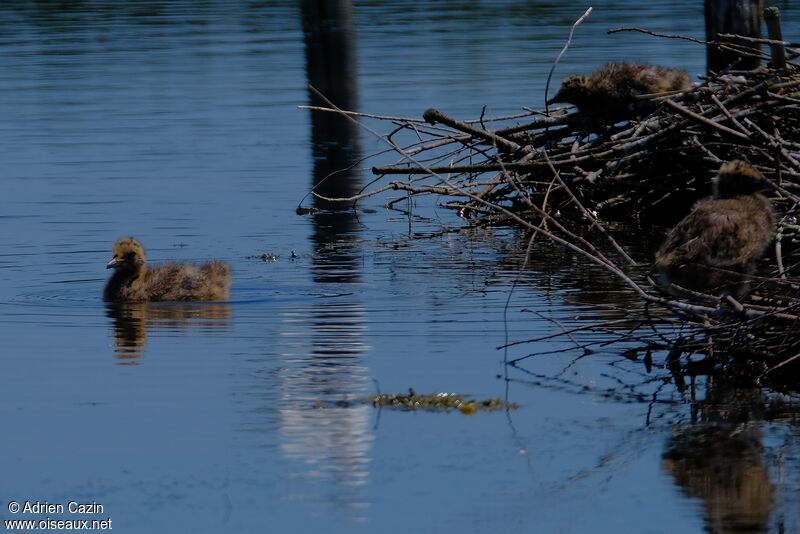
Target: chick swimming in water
(134,281)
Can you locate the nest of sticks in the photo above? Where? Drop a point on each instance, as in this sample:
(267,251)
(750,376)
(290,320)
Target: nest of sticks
(559,175)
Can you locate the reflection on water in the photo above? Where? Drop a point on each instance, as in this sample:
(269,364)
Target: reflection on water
(332,444)
(132,320)
(720,460)
(723,467)
(719,457)
(583,284)
(331,67)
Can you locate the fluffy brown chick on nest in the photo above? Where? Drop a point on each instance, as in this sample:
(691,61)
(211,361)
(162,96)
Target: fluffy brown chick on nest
(134,281)
(609,93)
(716,247)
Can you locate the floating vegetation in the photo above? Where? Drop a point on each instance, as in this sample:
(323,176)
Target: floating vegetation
(271,257)
(267,257)
(429,402)
(438,402)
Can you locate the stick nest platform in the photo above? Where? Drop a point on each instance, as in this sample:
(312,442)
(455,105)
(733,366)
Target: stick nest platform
(563,176)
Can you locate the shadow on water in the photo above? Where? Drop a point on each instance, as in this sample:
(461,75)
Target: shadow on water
(331,443)
(133,320)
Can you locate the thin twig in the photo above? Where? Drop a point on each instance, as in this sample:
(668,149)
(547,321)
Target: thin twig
(563,50)
(655,34)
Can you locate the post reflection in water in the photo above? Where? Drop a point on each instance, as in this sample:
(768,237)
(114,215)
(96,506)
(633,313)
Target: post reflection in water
(720,461)
(132,320)
(332,443)
(330,51)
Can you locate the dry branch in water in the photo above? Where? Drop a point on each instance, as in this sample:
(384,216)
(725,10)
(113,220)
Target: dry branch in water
(557,174)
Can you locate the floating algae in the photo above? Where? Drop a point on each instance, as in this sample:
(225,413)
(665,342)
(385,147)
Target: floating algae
(430,402)
(438,402)
(267,257)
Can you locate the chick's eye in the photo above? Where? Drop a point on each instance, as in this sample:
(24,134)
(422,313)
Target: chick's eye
(130,255)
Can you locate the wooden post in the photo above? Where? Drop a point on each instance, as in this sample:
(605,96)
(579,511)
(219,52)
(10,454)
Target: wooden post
(772,16)
(740,17)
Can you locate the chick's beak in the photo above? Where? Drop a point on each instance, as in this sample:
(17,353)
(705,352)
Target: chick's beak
(112,263)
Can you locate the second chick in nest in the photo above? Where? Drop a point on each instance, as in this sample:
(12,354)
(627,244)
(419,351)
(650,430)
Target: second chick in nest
(608,94)
(716,247)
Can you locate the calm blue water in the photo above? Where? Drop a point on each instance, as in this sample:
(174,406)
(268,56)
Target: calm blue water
(177,122)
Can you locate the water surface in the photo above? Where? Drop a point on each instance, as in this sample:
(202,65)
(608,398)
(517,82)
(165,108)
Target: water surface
(177,122)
